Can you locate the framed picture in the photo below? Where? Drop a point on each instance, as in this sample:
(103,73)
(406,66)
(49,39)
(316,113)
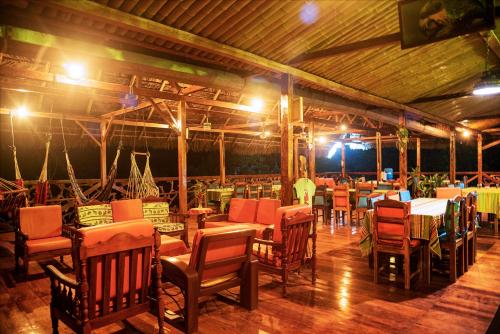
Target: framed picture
(428,21)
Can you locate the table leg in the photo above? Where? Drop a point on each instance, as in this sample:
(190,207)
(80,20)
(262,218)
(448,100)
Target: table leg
(427,263)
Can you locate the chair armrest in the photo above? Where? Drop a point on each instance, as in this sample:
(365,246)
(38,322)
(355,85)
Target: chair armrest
(55,274)
(20,236)
(69,231)
(178,273)
(267,242)
(216,218)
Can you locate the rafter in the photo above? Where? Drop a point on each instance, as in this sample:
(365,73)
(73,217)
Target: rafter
(90,134)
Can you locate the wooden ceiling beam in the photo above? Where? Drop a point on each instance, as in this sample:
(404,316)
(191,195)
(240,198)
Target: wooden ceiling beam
(90,134)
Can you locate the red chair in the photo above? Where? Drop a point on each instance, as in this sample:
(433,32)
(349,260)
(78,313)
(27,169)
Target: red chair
(341,204)
(39,235)
(391,235)
(221,259)
(117,277)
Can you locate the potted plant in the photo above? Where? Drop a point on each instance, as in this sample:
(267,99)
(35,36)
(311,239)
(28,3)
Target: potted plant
(428,184)
(199,193)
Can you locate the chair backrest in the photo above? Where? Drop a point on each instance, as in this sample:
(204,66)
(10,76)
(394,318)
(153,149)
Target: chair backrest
(447,192)
(253,191)
(267,190)
(330,182)
(295,231)
(341,196)
(221,251)
(266,210)
(362,192)
(471,210)
(454,216)
(286,212)
(41,222)
(126,209)
(319,197)
(374,198)
(242,210)
(404,196)
(385,186)
(240,190)
(156,209)
(391,221)
(392,194)
(114,265)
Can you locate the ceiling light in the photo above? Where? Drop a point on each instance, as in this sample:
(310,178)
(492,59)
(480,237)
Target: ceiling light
(466,133)
(343,127)
(321,140)
(257,104)
(75,71)
(21,111)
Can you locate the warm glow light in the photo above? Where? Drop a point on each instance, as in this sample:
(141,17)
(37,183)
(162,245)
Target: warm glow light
(257,104)
(466,133)
(486,90)
(343,127)
(21,111)
(321,140)
(75,71)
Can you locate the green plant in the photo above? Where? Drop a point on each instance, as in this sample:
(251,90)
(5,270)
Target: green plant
(199,193)
(403,139)
(428,184)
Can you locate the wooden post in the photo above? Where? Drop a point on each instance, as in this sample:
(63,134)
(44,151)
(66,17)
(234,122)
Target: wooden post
(479,159)
(222,159)
(102,156)
(342,159)
(182,155)
(312,152)
(453,165)
(296,158)
(378,144)
(286,103)
(403,156)
(418,156)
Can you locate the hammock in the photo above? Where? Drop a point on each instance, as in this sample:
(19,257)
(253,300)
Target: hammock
(42,186)
(141,185)
(12,197)
(19,179)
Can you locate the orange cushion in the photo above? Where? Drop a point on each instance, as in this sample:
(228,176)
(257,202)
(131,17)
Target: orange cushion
(259,228)
(448,192)
(266,210)
(413,242)
(127,209)
(243,210)
(340,201)
(330,183)
(47,244)
(287,211)
(40,222)
(390,231)
(172,246)
(218,250)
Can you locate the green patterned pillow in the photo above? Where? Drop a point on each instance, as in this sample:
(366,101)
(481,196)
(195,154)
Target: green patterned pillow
(91,215)
(157,212)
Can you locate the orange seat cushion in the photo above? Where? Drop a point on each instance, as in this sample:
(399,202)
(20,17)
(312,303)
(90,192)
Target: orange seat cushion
(47,244)
(266,210)
(41,222)
(399,243)
(390,231)
(286,212)
(340,201)
(127,209)
(448,192)
(242,210)
(172,246)
(259,228)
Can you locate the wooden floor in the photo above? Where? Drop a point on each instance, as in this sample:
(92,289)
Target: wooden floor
(344,300)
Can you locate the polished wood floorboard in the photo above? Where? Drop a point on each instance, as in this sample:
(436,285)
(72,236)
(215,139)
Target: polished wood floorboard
(344,300)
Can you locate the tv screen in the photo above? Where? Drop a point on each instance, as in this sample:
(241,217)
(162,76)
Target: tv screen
(428,21)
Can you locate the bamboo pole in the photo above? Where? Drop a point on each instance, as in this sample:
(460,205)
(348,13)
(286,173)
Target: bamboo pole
(479,159)
(453,165)
(286,139)
(102,155)
(296,158)
(222,159)
(419,168)
(312,152)
(403,157)
(182,156)
(342,159)
(378,143)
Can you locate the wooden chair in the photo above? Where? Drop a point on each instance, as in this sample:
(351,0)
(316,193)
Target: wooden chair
(267,190)
(116,277)
(391,235)
(320,203)
(362,192)
(341,204)
(39,235)
(221,259)
(253,191)
(240,190)
(469,230)
(374,198)
(287,251)
(448,192)
(453,240)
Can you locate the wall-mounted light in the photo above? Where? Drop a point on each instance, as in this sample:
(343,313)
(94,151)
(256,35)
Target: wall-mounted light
(75,71)
(21,111)
(257,104)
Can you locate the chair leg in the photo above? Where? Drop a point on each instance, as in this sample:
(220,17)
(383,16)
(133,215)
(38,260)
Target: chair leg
(375,266)
(55,322)
(461,260)
(284,277)
(453,264)
(191,309)
(26,264)
(407,270)
(249,288)
(427,263)
(465,249)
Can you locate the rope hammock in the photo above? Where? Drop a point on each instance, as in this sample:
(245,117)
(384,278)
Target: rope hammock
(141,185)
(12,197)
(19,179)
(101,195)
(42,186)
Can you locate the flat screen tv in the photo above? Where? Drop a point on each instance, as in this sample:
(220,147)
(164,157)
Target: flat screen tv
(428,21)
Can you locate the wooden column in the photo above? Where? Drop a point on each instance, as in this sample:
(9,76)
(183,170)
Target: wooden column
(102,156)
(182,155)
(453,164)
(342,159)
(418,157)
(222,159)
(378,144)
(479,159)
(403,156)
(286,104)
(312,152)
(295,158)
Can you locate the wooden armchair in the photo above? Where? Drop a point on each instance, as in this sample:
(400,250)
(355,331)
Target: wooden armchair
(287,251)
(362,192)
(221,259)
(117,277)
(341,203)
(391,235)
(39,235)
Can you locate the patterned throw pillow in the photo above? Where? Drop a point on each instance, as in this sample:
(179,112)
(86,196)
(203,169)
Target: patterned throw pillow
(92,215)
(156,212)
